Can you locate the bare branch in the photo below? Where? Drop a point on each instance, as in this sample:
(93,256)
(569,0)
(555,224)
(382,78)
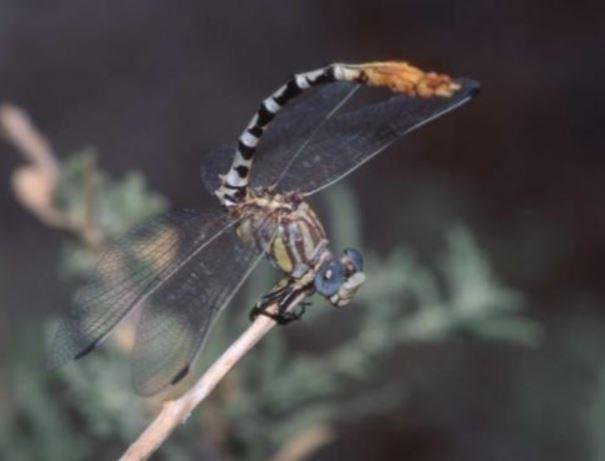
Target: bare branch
(177,411)
(35,183)
(17,127)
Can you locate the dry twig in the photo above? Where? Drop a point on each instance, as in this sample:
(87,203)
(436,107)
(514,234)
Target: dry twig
(177,411)
(34,186)
(35,183)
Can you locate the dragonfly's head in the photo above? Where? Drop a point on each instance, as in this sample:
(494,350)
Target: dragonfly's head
(338,279)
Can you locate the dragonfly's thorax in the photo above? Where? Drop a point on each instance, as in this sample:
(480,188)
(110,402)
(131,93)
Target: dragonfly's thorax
(285,227)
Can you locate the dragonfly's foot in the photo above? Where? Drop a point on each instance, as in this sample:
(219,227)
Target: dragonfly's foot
(254,313)
(282,318)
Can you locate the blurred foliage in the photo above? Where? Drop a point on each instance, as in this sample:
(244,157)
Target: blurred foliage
(286,386)
(117,205)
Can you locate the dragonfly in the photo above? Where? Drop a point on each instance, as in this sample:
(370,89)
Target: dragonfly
(181,270)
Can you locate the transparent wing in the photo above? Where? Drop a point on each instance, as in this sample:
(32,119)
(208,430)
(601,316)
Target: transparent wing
(284,137)
(216,162)
(348,140)
(136,265)
(178,316)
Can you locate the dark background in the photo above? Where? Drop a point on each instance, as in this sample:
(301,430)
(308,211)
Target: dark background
(155,84)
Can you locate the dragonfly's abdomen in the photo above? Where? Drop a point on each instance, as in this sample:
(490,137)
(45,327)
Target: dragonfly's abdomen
(286,228)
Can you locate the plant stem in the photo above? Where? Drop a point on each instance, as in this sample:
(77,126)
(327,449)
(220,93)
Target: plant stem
(177,411)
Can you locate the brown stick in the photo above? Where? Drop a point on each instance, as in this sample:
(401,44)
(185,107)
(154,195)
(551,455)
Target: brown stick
(18,129)
(34,183)
(175,412)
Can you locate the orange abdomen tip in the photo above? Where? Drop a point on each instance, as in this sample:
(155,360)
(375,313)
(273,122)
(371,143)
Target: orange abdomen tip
(401,77)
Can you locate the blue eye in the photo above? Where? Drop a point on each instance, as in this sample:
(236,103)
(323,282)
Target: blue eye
(355,257)
(329,278)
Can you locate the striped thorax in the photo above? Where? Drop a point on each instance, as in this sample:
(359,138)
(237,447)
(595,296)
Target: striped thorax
(288,231)
(285,227)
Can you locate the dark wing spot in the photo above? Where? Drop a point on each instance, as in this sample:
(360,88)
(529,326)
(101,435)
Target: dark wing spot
(180,375)
(87,350)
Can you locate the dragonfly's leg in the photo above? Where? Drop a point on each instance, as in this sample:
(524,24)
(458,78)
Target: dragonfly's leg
(281,295)
(283,318)
(280,289)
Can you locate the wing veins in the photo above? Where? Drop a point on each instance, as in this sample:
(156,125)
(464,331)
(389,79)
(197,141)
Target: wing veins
(311,135)
(386,145)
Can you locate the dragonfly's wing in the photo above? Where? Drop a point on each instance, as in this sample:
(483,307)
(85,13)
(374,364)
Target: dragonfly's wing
(177,317)
(349,139)
(215,163)
(285,136)
(136,265)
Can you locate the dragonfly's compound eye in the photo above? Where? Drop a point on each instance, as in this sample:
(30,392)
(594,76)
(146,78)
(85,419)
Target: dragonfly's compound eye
(355,257)
(329,278)
(351,263)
